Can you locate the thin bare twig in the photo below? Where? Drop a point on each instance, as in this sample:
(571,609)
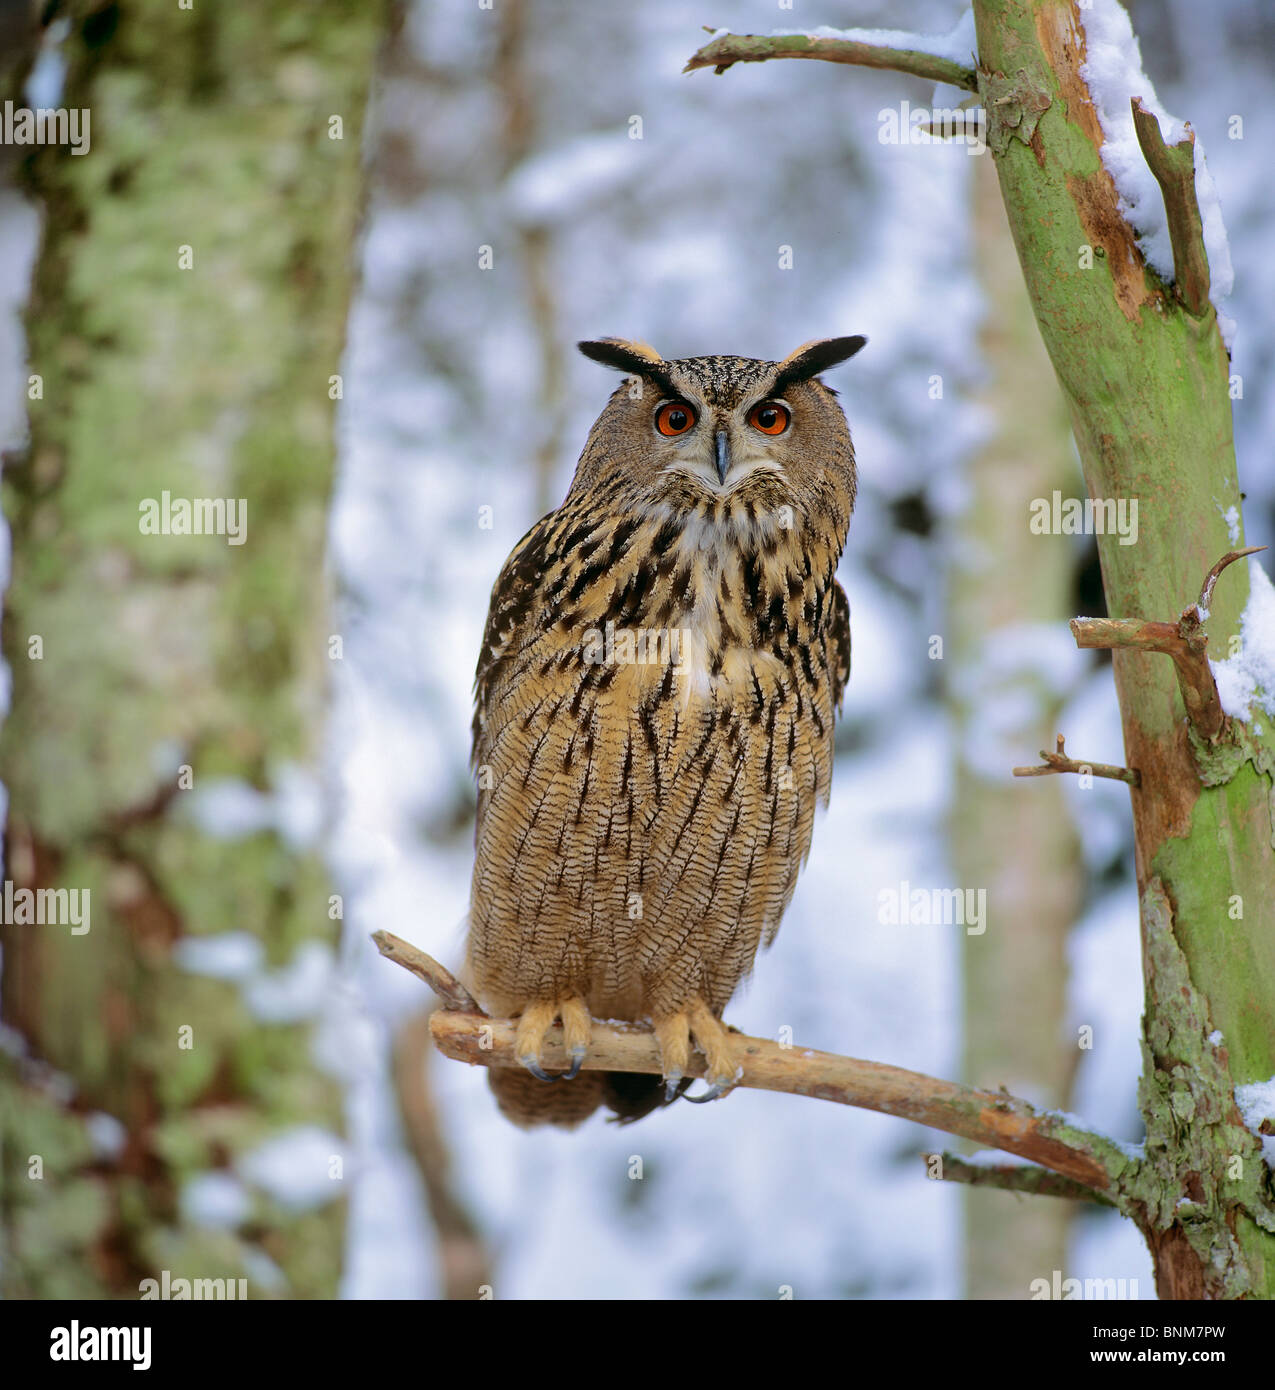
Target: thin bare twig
(1201,607)
(728,49)
(1012,1177)
(1060,762)
(1174,170)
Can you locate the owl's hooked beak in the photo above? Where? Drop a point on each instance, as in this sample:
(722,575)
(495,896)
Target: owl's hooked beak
(723,455)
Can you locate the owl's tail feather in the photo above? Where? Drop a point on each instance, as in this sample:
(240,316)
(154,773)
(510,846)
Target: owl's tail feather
(528,1101)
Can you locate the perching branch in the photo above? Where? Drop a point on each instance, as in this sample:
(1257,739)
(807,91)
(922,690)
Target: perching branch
(1013,1177)
(1174,169)
(995,1119)
(727,49)
(1184,641)
(1060,762)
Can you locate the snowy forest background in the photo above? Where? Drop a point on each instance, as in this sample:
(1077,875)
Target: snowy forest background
(465,392)
(513,129)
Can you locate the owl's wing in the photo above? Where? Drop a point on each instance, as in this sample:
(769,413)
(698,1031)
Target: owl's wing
(838,636)
(512,604)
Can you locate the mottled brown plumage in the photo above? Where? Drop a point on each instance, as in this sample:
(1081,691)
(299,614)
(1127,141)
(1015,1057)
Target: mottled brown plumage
(663,660)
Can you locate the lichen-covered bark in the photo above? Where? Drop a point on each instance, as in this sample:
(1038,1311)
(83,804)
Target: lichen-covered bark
(1015,841)
(1146,384)
(1206,1182)
(211,130)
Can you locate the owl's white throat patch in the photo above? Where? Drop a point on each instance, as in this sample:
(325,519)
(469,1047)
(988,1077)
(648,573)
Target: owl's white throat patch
(709,547)
(737,525)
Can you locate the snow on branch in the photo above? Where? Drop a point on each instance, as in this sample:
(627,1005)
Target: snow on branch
(1178,223)
(1247,678)
(1174,170)
(993,1118)
(895,52)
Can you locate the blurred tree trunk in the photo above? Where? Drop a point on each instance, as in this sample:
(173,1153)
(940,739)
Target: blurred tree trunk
(536,242)
(464,1263)
(187,315)
(1016,842)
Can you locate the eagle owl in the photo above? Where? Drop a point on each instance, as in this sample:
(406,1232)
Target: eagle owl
(663,659)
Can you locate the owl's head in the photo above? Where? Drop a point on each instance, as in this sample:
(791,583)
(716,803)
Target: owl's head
(732,430)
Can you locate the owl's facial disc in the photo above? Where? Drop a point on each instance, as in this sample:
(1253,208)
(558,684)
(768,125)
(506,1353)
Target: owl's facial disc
(721,447)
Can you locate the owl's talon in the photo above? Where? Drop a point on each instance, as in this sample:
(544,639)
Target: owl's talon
(577,1033)
(674,1033)
(536,1020)
(713,1093)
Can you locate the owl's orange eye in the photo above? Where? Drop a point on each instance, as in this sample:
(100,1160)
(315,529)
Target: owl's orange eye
(769,417)
(674,418)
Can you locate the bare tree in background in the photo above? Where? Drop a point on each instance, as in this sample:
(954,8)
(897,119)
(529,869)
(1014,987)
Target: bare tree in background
(1021,848)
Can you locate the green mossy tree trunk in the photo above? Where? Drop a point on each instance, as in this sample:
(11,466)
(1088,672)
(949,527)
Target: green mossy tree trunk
(188,312)
(1146,384)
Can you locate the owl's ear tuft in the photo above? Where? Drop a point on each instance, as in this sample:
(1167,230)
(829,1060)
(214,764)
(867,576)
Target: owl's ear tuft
(621,353)
(638,359)
(812,358)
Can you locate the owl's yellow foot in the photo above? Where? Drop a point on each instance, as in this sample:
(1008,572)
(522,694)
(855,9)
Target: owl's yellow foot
(535,1022)
(674,1032)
